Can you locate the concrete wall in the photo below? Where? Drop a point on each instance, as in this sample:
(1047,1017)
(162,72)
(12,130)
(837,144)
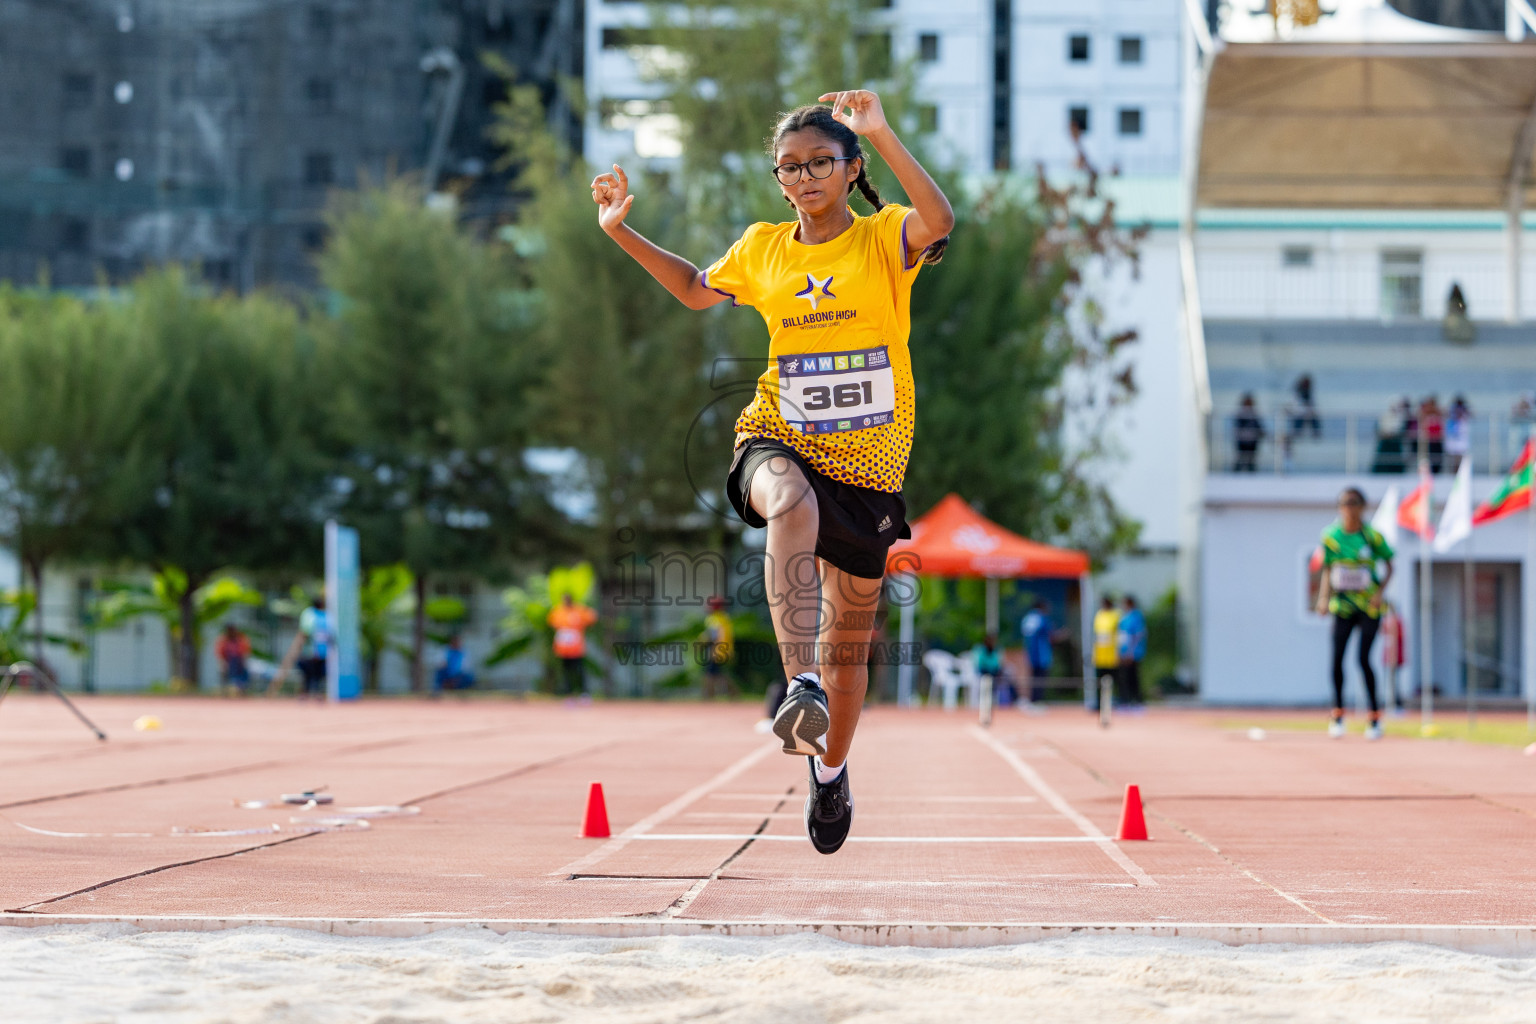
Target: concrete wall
(1259,643)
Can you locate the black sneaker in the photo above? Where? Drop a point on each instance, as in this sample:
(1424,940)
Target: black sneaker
(802,719)
(828,811)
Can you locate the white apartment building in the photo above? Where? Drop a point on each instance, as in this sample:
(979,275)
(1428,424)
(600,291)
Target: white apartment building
(1000,83)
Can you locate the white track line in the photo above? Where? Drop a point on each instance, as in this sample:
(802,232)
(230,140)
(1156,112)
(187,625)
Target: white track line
(649,822)
(744,836)
(1056,800)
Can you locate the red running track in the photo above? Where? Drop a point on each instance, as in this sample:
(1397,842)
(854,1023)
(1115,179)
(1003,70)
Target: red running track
(954,824)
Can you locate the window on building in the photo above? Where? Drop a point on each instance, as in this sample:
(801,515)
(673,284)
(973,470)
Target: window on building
(1297,256)
(657,130)
(75,161)
(928,47)
(1002,84)
(1130,49)
(319,169)
(320,93)
(75,234)
(1402,283)
(312,237)
(1077,119)
(875,54)
(1130,120)
(1077,48)
(78,90)
(927,117)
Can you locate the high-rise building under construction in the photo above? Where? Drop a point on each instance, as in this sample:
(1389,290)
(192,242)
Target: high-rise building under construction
(210,132)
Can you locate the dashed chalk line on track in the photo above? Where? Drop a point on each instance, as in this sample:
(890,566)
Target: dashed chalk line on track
(1087,828)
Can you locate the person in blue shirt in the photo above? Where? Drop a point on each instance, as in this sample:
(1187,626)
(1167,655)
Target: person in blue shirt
(453,674)
(1131,639)
(989,662)
(1038,636)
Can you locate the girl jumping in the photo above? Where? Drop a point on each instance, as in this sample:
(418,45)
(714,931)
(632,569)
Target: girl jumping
(823,445)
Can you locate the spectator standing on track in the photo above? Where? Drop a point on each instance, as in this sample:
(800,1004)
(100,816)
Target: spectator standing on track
(1039,636)
(1106,642)
(453,673)
(1394,651)
(719,645)
(315,635)
(570,622)
(1351,594)
(233,651)
(1131,641)
(1247,432)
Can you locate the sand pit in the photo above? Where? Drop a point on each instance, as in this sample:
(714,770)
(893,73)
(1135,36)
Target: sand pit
(89,973)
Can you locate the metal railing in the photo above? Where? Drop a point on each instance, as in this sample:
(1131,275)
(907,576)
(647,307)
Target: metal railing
(1304,441)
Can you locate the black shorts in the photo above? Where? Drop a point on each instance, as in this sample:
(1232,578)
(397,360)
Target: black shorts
(857,526)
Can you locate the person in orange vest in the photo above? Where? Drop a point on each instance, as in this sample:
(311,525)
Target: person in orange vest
(570,620)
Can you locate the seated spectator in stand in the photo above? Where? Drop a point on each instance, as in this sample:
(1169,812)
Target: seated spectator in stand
(1432,431)
(453,674)
(1457,326)
(989,662)
(233,650)
(1390,438)
(1458,432)
(1521,417)
(1247,432)
(1304,416)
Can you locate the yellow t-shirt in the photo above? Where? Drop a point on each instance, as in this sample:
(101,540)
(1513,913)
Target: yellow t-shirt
(838,388)
(1106,624)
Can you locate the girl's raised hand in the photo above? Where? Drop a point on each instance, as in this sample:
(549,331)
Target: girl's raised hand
(611,194)
(865,115)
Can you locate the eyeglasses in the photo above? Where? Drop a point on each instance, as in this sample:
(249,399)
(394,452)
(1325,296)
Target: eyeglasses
(817,166)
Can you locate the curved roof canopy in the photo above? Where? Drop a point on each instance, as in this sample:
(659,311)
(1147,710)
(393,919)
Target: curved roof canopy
(1366,108)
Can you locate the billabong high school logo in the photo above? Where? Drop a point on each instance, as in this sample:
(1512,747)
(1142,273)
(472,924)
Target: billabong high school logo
(792,366)
(815,290)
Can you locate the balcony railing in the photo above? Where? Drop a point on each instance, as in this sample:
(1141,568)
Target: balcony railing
(1299,441)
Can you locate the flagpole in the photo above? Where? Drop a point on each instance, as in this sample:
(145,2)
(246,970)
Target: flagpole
(1467,652)
(1426,686)
(1528,586)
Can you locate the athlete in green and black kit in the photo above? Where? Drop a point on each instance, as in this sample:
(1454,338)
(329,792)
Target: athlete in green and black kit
(1351,594)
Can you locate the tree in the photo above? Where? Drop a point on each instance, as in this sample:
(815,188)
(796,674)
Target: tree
(240,475)
(166,597)
(1007,346)
(79,390)
(435,367)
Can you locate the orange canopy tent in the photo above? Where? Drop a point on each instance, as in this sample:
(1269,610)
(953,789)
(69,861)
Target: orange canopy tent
(954,540)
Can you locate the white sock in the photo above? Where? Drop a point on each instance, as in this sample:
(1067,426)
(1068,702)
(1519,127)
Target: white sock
(824,774)
(813,676)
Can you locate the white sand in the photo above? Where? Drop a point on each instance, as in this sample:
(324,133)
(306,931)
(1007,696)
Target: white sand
(113,973)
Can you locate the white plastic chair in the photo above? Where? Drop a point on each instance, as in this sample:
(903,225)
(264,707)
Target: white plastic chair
(950,674)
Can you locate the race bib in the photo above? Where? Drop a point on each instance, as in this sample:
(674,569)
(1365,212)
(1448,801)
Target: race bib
(837,391)
(1350,578)
(567,637)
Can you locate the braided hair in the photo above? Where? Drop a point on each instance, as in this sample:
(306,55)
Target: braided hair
(818,118)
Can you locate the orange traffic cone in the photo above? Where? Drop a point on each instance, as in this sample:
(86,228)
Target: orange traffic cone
(595,824)
(1133,824)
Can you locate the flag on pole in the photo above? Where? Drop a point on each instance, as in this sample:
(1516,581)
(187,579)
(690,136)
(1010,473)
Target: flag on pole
(1384,521)
(1413,513)
(1456,519)
(1514,491)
